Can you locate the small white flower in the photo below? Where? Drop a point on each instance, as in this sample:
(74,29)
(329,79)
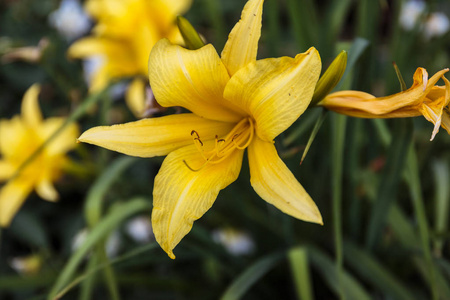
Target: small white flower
(410,14)
(112,245)
(70,20)
(436,25)
(235,241)
(91,65)
(140,229)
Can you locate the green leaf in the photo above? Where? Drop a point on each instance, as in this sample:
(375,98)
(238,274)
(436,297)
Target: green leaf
(298,260)
(103,228)
(374,272)
(338,143)
(250,276)
(344,282)
(395,162)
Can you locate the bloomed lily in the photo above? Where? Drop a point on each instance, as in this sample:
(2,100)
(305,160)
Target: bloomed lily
(20,137)
(236,103)
(424,98)
(125,33)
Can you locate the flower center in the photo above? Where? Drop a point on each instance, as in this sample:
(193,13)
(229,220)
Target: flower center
(239,138)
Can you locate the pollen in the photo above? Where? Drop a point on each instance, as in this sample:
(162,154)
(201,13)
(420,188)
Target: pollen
(239,138)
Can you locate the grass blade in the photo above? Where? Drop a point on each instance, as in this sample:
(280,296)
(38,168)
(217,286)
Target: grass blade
(298,260)
(373,271)
(250,276)
(104,227)
(396,158)
(338,142)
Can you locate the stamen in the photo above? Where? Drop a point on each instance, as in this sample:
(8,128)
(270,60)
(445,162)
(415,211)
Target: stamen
(192,169)
(239,137)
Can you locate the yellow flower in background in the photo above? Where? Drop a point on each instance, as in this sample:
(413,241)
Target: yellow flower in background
(237,103)
(19,139)
(124,35)
(424,98)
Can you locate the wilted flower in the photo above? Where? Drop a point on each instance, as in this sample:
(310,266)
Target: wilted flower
(20,137)
(70,20)
(237,103)
(31,54)
(422,98)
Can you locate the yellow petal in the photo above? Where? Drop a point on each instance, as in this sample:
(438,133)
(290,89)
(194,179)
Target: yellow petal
(6,170)
(181,196)
(12,196)
(31,113)
(119,57)
(177,7)
(194,79)
(65,141)
(155,136)
(275,91)
(135,97)
(273,181)
(242,45)
(13,137)
(46,190)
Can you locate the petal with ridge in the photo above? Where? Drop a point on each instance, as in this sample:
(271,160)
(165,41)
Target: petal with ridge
(181,196)
(193,79)
(154,136)
(12,196)
(275,91)
(31,113)
(275,183)
(242,44)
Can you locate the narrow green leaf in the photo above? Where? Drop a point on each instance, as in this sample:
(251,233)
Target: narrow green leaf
(373,272)
(305,122)
(92,271)
(93,211)
(316,128)
(338,143)
(387,190)
(304,21)
(250,276)
(340,283)
(298,260)
(104,227)
(419,210)
(354,53)
(216,18)
(96,194)
(399,77)
(441,202)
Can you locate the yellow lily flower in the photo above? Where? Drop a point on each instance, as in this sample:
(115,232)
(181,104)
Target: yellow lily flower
(422,98)
(19,139)
(125,34)
(237,103)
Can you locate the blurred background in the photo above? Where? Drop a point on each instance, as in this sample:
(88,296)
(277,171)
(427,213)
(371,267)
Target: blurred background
(383,193)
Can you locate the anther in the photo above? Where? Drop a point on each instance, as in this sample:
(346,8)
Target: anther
(199,140)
